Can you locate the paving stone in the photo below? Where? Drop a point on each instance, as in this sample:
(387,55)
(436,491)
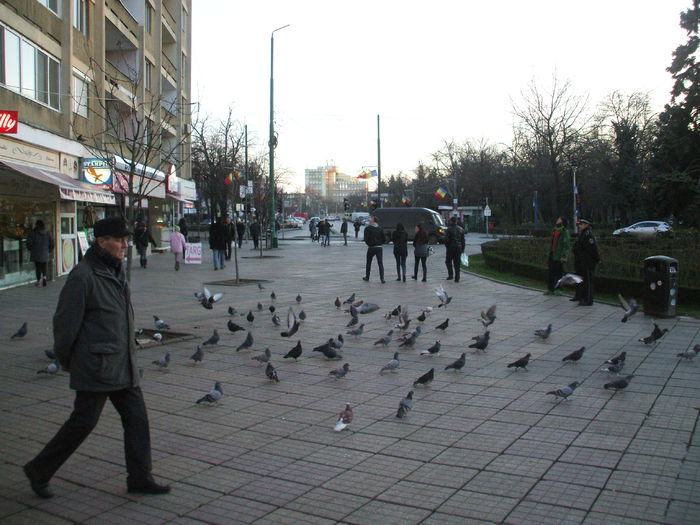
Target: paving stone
(563,494)
(360,483)
(134,512)
(442,475)
(416,494)
(599,518)
(35,517)
(541,513)
(440,518)
(649,464)
(634,506)
(385,512)
(683,512)
(327,503)
(273,491)
(519,465)
(536,449)
(461,457)
(501,484)
(231,509)
(390,466)
(291,517)
(642,484)
(578,474)
(476,505)
(591,456)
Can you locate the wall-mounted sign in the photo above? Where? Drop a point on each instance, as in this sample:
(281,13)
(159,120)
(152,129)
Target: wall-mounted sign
(8,121)
(96,172)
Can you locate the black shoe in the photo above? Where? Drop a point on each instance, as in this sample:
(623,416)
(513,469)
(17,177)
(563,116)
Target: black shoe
(404,278)
(574,299)
(423,280)
(456,280)
(398,278)
(147,487)
(448,278)
(365,278)
(40,489)
(382,281)
(414,277)
(585,303)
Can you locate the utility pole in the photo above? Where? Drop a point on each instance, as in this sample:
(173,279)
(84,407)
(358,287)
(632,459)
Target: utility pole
(575,188)
(272,142)
(246,204)
(379,168)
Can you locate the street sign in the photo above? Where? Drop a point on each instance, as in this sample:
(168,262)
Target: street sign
(487,211)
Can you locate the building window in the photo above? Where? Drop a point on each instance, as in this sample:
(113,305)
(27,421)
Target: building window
(147,74)
(80,96)
(149,18)
(80,15)
(51,4)
(28,70)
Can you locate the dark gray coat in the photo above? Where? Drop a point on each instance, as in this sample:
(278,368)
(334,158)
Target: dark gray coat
(40,244)
(93,328)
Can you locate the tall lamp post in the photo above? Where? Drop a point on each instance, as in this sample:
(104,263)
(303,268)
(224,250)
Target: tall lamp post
(273,141)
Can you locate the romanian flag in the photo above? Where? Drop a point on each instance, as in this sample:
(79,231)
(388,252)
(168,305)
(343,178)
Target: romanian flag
(441,192)
(231,176)
(404,199)
(366,175)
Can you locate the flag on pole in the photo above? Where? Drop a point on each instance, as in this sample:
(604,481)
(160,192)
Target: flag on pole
(231,176)
(366,175)
(404,199)
(373,173)
(441,192)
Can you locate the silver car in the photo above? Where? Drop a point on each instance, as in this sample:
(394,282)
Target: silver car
(644,229)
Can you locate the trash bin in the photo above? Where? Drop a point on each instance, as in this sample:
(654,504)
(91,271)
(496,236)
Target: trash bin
(661,286)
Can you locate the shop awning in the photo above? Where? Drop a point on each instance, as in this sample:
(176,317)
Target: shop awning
(68,189)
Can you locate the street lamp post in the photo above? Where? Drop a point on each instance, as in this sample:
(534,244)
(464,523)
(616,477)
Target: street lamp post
(273,141)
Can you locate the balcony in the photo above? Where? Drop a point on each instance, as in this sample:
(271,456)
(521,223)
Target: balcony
(170,69)
(123,20)
(169,26)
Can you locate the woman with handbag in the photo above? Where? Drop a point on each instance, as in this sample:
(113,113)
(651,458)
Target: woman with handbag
(420,252)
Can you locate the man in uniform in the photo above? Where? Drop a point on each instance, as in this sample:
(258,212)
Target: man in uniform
(585,258)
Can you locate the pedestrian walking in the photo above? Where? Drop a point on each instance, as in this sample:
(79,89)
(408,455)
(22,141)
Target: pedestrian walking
(141,239)
(313,230)
(344,231)
(217,243)
(454,246)
(558,254)
(93,330)
(400,240)
(585,258)
(183,227)
(255,233)
(357,225)
(420,252)
(40,245)
(177,246)
(230,231)
(374,239)
(240,231)
(326,232)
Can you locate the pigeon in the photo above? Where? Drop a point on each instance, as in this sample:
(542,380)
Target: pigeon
(422,317)
(630,307)
(403,324)
(262,358)
(50,354)
(298,298)
(250,317)
(209,298)
(51,369)
(271,308)
(213,339)
(489,316)
(157,337)
(337,303)
(213,396)
(327,350)
(425,379)
(198,355)
(160,324)
(353,321)
(260,287)
(163,362)
(392,365)
(232,311)
(443,326)
(458,364)
(259,307)
(384,340)
(405,405)
(302,315)
(564,391)
(344,418)
(357,331)
(271,373)
(338,342)
(618,384)
(233,327)
(482,341)
(433,350)
(292,324)
(247,343)
(340,372)
(690,353)
(614,369)
(410,339)
(575,355)
(396,311)
(21,332)
(543,333)
(276,320)
(655,335)
(568,279)
(273,296)
(367,308)
(350,299)
(520,363)
(617,359)
(294,352)
(442,295)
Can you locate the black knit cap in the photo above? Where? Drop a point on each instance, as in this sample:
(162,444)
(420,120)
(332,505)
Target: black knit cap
(111,227)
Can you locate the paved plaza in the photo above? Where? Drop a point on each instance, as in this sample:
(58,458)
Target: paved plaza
(482,445)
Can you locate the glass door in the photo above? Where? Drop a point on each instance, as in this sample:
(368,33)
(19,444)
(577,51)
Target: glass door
(68,244)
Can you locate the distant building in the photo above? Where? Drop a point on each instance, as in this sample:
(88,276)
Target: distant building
(330,183)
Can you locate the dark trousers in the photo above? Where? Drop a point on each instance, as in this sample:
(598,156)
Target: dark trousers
(375,251)
(452,262)
(356,232)
(228,250)
(400,265)
(422,260)
(86,413)
(584,290)
(142,255)
(256,240)
(345,238)
(556,270)
(40,269)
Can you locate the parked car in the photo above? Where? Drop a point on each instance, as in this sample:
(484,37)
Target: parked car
(644,229)
(434,226)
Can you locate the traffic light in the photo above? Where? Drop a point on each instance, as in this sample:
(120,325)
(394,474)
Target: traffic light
(346,204)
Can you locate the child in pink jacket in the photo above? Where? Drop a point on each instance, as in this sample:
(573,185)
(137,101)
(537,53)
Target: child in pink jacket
(177,245)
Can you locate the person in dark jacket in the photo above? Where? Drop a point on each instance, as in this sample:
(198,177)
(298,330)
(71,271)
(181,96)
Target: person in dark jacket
(357,226)
(217,243)
(93,330)
(40,244)
(183,227)
(400,240)
(230,232)
(240,232)
(344,231)
(585,258)
(558,254)
(255,233)
(374,239)
(454,246)
(420,252)
(141,239)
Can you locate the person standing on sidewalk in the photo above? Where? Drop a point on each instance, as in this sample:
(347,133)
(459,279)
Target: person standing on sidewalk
(183,227)
(240,231)
(141,239)
(374,239)
(344,231)
(586,257)
(420,252)
(230,230)
(217,243)
(400,240)
(177,246)
(93,330)
(255,233)
(40,244)
(558,254)
(454,246)
(357,225)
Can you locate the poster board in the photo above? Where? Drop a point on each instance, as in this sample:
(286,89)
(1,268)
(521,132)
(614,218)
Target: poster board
(193,253)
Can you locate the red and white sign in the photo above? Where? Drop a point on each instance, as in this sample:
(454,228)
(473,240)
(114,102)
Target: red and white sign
(8,121)
(193,253)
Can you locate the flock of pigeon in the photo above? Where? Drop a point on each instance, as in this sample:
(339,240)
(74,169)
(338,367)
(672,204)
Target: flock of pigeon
(405,336)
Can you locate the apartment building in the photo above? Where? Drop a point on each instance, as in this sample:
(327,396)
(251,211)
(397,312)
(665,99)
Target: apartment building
(329,183)
(94,94)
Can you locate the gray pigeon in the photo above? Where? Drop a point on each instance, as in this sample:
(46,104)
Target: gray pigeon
(617,359)
(690,353)
(569,279)
(213,339)
(337,303)
(433,350)
(392,365)
(489,316)
(482,341)
(338,342)
(565,391)
(328,351)
(271,373)
(442,295)
(544,332)
(353,321)
(51,369)
(630,307)
(350,299)
(443,326)
(233,327)
(157,337)
(260,307)
(340,372)
(295,352)
(405,405)
(656,334)
(357,331)
(575,356)
(163,362)
(160,324)
(384,340)
(410,339)
(302,315)
(232,311)
(426,378)
(459,363)
(250,317)
(298,298)
(213,396)
(367,308)
(198,355)
(262,358)
(247,343)
(292,324)
(614,369)
(618,384)
(273,296)
(19,334)
(260,287)
(520,363)
(276,320)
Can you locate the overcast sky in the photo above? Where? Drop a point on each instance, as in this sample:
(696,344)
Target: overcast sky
(434,71)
